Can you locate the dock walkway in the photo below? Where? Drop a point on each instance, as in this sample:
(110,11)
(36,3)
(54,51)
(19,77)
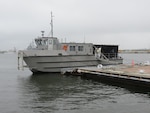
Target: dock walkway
(137,75)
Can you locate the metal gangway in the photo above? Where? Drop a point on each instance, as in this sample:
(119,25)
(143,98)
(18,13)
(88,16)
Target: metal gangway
(101,57)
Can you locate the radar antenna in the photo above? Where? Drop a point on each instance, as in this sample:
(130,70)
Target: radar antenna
(42,33)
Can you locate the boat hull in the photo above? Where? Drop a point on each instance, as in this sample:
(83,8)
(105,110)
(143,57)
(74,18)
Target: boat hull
(53,64)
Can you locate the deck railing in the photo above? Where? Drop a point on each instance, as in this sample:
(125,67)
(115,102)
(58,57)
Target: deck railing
(112,55)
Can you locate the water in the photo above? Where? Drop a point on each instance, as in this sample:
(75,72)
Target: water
(137,58)
(21,92)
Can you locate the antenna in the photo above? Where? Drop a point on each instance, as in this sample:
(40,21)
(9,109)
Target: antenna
(51,25)
(84,39)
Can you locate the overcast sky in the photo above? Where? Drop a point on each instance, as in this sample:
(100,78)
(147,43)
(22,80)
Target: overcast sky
(122,22)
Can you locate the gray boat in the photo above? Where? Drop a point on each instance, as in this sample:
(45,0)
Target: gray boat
(49,55)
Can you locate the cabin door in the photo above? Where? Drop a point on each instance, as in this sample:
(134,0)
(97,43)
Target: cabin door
(50,44)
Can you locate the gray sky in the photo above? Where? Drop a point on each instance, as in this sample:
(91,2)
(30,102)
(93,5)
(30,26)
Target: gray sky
(122,22)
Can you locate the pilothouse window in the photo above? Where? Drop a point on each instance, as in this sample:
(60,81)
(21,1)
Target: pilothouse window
(45,42)
(39,42)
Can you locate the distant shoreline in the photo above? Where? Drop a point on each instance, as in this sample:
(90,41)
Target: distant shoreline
(135,51)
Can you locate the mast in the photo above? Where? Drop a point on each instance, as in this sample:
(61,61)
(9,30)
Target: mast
(51,25)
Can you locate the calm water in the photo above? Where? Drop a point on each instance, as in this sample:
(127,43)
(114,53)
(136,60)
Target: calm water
(21,92)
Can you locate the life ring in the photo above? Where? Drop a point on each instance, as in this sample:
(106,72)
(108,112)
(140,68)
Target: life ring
(65,47)
(99,66)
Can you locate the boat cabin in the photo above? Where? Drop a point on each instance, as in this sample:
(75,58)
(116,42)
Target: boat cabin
(72,48)
(78,48)
(52,43)
(47,43)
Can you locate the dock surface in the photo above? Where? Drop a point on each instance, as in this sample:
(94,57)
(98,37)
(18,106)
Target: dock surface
(137,75)
(140,71)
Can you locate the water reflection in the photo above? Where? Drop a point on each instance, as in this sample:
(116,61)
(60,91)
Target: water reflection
(57,93)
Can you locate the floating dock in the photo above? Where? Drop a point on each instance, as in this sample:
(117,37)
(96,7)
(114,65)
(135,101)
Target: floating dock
(133,75)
